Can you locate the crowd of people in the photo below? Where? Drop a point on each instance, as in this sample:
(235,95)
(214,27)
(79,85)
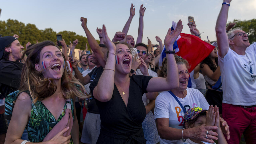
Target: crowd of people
(128,92)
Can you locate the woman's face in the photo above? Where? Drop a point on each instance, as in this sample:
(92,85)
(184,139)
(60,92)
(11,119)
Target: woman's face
(214,52)
(123,59)
(183,76)
(51,62)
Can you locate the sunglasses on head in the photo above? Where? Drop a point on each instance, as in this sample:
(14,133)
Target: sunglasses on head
(143,52)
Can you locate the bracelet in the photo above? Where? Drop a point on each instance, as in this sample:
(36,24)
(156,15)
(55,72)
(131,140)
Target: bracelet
(109,69)
(226,3)
(169,52)
(182,136)
(101,37)
(24,142)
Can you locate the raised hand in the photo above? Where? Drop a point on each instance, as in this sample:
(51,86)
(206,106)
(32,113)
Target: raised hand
(193,29)
(143,67)
(16,36)
(230,26)
(210,116)
(99,31)
(28,44)
(110,45)
(199,133)
(171,36)
(84,22)
(119,36)
(158,39)
(142,10)
(75,42)
(132,10)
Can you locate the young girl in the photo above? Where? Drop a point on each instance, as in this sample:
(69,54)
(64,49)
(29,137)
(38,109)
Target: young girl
(197,117)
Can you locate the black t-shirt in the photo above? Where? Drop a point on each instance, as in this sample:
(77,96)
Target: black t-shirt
(10,73)
(94,74)
(118,122)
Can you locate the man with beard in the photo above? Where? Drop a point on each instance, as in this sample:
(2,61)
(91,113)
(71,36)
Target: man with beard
(10,73)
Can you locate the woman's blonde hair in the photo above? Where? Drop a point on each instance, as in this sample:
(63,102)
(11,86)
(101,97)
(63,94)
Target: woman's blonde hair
(40,87)
(162,72)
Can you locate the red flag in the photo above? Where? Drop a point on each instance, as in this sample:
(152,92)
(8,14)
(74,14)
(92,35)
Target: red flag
(193,49)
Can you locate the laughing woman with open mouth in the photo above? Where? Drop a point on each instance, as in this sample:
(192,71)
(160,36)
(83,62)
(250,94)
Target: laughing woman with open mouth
(119,95)
(45,104)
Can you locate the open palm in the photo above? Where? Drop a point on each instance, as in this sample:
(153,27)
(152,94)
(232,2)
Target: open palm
(171,36)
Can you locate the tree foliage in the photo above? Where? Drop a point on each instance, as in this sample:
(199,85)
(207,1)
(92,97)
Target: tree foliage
(30,33)
(247,26)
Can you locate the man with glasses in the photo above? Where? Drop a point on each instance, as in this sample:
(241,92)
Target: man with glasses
(238,72)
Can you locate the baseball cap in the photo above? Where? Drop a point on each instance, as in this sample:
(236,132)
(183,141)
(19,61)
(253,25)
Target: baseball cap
(4,42)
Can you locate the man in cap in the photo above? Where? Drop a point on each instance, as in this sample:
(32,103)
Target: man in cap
(10,73)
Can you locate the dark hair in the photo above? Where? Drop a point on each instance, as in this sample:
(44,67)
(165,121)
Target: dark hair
(6,54)
(191,122)
(82,56)
(142,44)
(209,62)
(155,51)
(88,57)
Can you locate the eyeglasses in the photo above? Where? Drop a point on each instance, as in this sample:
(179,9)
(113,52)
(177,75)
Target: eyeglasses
(239,34)
(143,52)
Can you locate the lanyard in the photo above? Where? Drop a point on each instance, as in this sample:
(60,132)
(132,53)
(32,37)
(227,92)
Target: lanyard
(175,97)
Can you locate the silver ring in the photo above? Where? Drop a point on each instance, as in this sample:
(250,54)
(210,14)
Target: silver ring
(207,132)
(206,136)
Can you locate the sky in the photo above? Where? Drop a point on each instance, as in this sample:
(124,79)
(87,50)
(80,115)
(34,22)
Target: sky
(63,15)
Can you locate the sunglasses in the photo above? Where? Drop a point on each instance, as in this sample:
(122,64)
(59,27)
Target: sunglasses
(143,52)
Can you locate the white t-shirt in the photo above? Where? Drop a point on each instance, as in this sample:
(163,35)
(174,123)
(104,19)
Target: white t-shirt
(151,73)
(239,85)
(84,73)
(200,82)
(192,79)
(167,107)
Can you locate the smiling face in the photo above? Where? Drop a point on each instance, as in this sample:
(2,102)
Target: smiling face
(183,76)
(51,62)
(240,39)
(214,52)
(130,40)
(124,59)
(148,58)
(83,60)
(91,60)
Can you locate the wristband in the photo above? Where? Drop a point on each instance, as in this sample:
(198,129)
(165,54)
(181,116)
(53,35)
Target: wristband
(24,142)
(132,71)
(169,52)
(100,37)
(226,3)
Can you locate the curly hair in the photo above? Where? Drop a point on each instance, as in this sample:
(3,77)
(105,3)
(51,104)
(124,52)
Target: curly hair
(41,87)
(162,72)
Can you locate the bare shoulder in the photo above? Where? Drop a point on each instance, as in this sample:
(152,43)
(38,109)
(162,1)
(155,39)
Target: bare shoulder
(24,98)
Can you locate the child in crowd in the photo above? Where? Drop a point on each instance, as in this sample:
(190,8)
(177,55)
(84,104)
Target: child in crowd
(196,116)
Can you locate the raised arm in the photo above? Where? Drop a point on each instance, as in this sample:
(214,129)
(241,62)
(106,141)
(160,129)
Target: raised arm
(156,59)
(93,43)
(84,80)
(99,31)
(222,38)
(128,23)
(72,49)
(104,90)
(171,81)
(141,25)
(64,49)
(208,72)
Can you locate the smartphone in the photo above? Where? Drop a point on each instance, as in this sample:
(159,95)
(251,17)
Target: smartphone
(191,20)
(59,38)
